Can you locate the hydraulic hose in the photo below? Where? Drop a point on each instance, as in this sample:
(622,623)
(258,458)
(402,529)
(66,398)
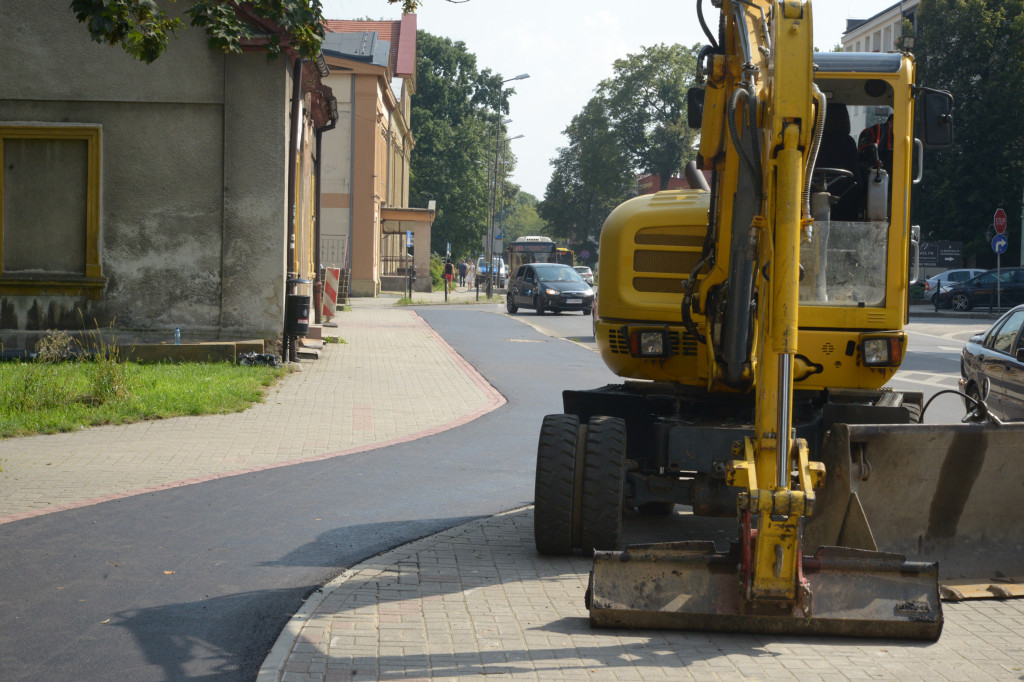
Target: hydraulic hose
(704,25)
(812,158)
(751,165)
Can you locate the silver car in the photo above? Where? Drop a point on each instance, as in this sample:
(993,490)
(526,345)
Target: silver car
(586,273)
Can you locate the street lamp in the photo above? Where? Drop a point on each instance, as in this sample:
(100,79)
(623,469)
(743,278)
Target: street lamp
(497,147)
(501,190)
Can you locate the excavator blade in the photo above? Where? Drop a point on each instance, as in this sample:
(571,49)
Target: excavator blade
(945,493)
(690,586)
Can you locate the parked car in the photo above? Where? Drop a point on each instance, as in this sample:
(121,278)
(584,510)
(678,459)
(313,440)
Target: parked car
(586,273)
(548,286)
(981,290)
(945,280)
(992,367)
(499,269)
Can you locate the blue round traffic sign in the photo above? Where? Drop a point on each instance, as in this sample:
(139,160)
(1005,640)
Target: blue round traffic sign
(584,254)
(999,243)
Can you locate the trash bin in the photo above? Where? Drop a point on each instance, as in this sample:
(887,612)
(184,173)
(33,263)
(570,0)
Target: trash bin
(296,315)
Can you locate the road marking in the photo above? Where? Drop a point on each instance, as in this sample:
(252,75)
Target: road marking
(928,379)
(955,349)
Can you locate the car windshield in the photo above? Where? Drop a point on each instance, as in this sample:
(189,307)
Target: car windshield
(558,274)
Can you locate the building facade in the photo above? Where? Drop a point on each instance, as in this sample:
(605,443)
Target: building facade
(366,217)
(145,198)
(880,32)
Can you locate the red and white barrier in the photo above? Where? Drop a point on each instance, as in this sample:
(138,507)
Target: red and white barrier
(329,301)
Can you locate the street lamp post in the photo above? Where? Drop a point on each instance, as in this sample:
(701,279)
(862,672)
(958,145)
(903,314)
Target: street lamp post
(501,188)
(490,222)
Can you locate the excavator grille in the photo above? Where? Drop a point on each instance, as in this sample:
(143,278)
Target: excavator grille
(685,344)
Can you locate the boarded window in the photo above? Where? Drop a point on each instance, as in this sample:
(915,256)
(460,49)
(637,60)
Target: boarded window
(49,209)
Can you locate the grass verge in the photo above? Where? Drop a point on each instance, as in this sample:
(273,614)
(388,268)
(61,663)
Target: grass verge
(54,396)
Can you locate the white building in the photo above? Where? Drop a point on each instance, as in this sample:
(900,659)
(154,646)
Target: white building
(880,32)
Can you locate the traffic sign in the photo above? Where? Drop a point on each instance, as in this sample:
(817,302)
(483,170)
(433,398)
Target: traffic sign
(999,243)
(999,220)
(584,254)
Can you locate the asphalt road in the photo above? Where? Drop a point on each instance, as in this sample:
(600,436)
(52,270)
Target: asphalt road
(79,598)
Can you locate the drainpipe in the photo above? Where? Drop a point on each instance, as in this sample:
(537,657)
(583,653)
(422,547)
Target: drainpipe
(317,283)
(288,352)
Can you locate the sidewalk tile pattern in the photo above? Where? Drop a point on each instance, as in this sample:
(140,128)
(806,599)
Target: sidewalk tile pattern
(377,388)
(477,603)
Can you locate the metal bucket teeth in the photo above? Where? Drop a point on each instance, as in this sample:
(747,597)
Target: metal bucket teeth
(689,586)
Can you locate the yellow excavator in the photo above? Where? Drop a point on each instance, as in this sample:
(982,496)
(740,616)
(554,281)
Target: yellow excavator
(756,318)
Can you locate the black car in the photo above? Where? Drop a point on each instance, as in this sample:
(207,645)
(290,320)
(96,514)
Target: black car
(981,290)
(992,366)
(548,286)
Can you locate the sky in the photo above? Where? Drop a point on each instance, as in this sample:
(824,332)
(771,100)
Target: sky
(568,47)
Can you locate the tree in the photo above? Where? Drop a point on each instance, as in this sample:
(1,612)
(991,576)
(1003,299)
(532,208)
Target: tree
(975,49)
(646,102)
(410,6)
(520,218)
(143,30)
(454,127)
(591,176)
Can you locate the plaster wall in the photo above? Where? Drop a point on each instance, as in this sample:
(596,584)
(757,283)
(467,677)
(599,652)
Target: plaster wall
(336,183)
(193,179)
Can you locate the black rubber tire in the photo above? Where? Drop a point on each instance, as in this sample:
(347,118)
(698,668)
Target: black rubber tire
(587,311)
(538,307)
(510,305)
(656,508)
(554,487)
(961,302)
(603,477)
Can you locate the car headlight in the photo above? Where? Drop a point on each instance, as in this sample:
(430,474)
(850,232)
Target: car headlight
(551,292)
(882,351)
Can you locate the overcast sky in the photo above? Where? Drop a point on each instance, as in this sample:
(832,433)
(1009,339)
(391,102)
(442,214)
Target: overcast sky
(567,47)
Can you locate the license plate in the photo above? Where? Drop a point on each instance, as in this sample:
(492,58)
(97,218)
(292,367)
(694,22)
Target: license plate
(574,301)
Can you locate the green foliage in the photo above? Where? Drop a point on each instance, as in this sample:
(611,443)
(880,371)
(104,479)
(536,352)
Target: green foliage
(436,271)
(975,49)
(646,104)
(453,116)
(591,176)
(143,30)
(520,218)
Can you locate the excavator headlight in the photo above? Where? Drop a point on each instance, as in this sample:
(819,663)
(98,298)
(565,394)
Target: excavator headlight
(648,343)
(882,351)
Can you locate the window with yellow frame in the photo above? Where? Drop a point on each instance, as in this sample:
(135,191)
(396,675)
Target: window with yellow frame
(50,210)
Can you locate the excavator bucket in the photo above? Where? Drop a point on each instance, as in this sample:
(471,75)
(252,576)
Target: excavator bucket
(945,493)
(690,586)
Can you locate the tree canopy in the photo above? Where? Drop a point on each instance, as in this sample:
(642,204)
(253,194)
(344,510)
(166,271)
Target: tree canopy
(975,49)
(592,174)
(646,104)
(143,30)
(454,122)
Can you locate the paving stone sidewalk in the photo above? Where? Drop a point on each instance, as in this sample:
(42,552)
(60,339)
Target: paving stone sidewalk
(378,387)
(477,602)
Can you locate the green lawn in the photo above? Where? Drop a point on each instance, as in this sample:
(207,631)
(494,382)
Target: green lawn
(49,397)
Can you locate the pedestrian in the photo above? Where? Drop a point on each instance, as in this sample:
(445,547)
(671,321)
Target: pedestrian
(449,274)
(470,274)
(463,267)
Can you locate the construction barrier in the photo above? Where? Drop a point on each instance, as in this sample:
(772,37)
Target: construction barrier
(329,300)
